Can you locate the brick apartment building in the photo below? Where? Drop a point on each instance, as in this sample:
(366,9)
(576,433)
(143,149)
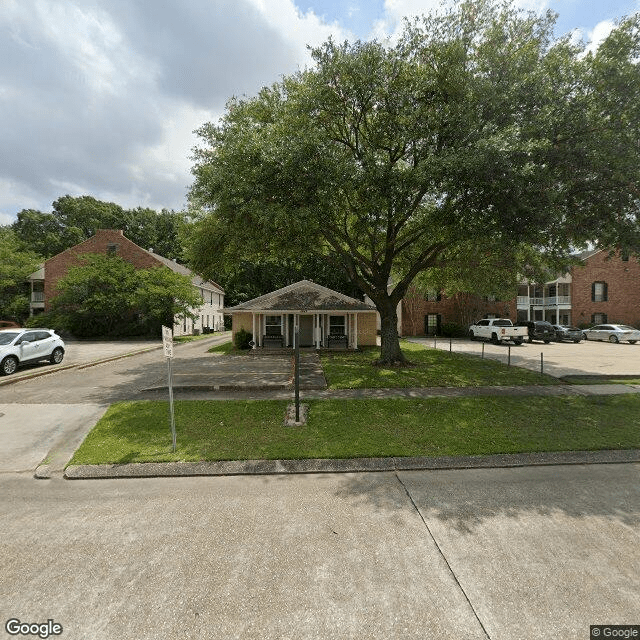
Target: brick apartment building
(601,289)
(109,241)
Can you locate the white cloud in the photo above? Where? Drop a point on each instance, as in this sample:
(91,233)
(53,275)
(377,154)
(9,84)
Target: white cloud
(599,34)
(101,97)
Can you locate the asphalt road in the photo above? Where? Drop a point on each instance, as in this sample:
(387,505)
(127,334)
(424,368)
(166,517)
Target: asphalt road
(508,554)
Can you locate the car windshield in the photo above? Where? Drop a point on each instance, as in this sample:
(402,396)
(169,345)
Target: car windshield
(8,336)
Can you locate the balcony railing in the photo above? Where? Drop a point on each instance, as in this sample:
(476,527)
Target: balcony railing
(37,296)
(554,301)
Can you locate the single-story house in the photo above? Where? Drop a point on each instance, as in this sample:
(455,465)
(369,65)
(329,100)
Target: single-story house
(324,318)
(113,242)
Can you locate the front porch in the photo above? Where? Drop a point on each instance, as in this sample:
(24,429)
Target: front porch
(315,330)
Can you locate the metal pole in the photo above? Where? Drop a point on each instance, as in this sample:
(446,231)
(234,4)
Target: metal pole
(296,374)
(435,339)
(541,363)
(483,350)
(509,357)
(171,414)
(450,349)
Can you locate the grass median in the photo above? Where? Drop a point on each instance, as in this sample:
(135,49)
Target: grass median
(250,430)
(430,368)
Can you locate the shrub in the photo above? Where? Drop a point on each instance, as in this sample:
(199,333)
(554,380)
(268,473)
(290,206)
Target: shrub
(452,330)
(242,339)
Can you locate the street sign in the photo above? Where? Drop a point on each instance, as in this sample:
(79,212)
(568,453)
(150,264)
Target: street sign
(167,342)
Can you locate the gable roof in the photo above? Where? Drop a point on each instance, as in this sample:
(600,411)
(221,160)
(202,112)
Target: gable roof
(182,270)
(302,296)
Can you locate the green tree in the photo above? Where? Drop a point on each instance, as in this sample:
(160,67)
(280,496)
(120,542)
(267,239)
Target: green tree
(75,219)
(107,296)
(16,264)
(478,127)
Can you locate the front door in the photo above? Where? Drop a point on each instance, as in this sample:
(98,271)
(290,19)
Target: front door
(306,331)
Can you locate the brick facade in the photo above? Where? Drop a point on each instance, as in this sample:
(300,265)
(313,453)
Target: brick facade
(57,267)
(426,317)
(618,291)
(111,241)
(622,279)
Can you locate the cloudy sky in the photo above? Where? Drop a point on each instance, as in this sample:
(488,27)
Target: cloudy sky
(101,97)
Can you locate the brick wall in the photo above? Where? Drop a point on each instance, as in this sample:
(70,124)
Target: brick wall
(367,331)
(462,309)
(623,289)
(241,320)
(58,266)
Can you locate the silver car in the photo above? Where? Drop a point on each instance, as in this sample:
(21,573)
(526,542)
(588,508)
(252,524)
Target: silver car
(612,333)
(22,346)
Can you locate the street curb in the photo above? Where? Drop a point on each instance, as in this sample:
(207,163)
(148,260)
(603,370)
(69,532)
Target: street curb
(353,465)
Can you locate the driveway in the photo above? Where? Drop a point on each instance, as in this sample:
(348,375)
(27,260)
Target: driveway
(558,358)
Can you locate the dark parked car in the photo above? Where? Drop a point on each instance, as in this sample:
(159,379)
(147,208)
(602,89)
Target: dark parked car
(539,330)
(567,333)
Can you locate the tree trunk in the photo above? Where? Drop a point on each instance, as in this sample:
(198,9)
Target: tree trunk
(390,353)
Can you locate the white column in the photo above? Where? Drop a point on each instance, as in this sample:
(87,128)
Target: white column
(285,319)
(355,330)
(253,327)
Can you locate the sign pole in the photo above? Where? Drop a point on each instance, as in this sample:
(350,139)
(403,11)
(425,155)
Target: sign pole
(297,374)
(167,344)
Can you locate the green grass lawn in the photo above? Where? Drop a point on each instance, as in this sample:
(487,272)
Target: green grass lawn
(246,430)
(227,348)
(433,368)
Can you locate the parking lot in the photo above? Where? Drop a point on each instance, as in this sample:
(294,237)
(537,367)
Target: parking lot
(558,359)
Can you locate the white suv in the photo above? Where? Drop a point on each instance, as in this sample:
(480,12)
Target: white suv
(21,346)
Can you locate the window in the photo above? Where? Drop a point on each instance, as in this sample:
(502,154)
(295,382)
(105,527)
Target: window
(599,318)
(433,296)
(273,325)
(112,249)
(432,324)
(599,292)
(337,326)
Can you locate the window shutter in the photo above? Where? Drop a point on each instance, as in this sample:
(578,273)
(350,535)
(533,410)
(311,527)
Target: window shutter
(593,295)
(604,292)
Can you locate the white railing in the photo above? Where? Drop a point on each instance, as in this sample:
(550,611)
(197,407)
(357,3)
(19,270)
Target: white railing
(524,301)
(37,296)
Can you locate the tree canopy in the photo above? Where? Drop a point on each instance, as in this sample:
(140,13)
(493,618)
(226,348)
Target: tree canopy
(75,219)
(478,133)
(16,264)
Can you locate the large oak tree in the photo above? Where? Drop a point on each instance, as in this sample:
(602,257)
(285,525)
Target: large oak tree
(478,127)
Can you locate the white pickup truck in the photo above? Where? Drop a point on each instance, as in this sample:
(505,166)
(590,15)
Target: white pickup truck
(497,330)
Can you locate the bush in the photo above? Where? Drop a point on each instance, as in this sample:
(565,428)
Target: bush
(452,330)
(242,339)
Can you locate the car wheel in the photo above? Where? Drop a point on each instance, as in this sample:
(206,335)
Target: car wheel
(577,341)
(584,336)
(632,341)
(57,356)
(471,336)
(9,365)
(614,339)
(547,341)
(494,338)
(518,341)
